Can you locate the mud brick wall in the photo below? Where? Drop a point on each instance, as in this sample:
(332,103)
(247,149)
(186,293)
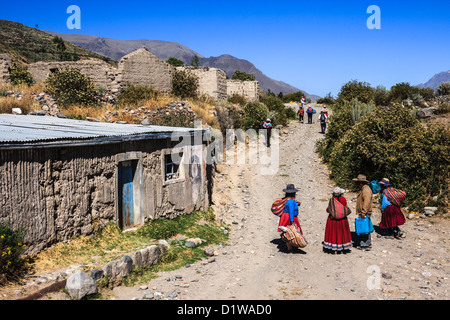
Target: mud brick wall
(59,193)
(5,64)
(211,81)
(248,89)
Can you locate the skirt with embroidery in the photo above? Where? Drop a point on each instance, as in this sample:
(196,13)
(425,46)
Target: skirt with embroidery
(392,217)
(337,235)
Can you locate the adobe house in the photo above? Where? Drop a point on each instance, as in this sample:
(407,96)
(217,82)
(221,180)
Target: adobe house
(60,178)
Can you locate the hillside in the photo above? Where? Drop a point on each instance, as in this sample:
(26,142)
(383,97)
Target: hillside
(436,80)
(116,49)
(27,45)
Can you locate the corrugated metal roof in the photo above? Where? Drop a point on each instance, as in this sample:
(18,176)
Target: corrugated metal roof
(29,129)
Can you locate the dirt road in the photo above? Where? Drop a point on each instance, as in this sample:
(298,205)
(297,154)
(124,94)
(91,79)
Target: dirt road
(254,263)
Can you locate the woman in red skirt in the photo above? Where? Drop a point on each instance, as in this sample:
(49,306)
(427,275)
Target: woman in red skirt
(337,232)
(290,212)
(391,215)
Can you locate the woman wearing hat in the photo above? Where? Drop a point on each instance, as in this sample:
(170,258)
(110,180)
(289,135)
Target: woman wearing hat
(391,215)
(363,209)
(337,230)
(290,212)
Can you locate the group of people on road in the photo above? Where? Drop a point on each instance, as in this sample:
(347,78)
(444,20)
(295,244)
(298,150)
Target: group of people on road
(338,237)
(323,116)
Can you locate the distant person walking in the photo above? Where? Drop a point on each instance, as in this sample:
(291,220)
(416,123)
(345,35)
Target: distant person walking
(391,214)
(337,230)
(323,121)
(300,113)
(325,111)
(364,209)
(268,126)
(310,112)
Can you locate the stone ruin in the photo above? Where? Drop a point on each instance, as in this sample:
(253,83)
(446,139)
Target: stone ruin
(140,67)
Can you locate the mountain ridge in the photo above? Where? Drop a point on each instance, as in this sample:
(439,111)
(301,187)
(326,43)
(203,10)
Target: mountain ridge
(116,49)
(436,80)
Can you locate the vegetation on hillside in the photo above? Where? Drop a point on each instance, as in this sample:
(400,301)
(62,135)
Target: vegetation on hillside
(27,45)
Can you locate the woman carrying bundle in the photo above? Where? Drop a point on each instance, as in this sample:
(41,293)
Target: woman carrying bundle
(337,231)
(391,214)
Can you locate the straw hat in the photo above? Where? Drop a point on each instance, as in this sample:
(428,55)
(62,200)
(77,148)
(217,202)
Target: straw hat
(361,178)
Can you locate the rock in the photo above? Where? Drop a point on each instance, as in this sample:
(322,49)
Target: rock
(38,113)
(61,115)
(386,275)
(148,295)
(16,111)
(173,294)
(146,122)
(80,285)
(425,113)
(97,274)
(209,251)
(430,211)
(411,216)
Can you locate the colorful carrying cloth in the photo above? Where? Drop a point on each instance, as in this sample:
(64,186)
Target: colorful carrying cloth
(337,210)
(394,196)
(278,206)
(293,236)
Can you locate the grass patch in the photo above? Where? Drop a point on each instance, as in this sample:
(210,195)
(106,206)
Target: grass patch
(111,243)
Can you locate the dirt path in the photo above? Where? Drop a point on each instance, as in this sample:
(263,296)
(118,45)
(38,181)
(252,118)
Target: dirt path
(254,263)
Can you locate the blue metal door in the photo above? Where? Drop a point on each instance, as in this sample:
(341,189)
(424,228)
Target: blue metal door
(126,183)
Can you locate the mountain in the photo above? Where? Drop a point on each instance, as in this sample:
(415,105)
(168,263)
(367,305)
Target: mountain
(116,49)
(436,80)
(26,45)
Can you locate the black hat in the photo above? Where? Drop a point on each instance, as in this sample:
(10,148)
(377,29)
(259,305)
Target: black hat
(290,189)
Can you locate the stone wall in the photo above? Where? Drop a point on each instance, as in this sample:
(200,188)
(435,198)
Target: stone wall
(98,71)
(5,64)
(248,89)
(60,193)
(211,81)
(143,67)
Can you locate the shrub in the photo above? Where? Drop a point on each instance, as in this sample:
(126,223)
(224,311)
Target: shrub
(443,89)
(241,75)
(71,87)
(175,62)
(12,262)
(136,94)
(391,143)
(279,112)
(255,113)
(184,84)
(354,89)
(236,98)
(328,100)
(20,75)
(295,96)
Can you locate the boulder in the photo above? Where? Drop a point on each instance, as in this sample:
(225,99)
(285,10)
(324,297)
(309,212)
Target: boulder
(425,112)
(80,285)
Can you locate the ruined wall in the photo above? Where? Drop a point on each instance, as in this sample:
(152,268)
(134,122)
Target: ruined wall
(143,67)
(98,71)
(60,193)
(211,81)
(248,89)
(5,63)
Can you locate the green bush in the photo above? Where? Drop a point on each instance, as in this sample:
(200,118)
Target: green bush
(136,94)
(184,84)
(255,114)
(20,75)
(175,62)
(294,96)
(12,262)
(328,100)
(241,75)
(390,143)
(280,114)
(71,87)
(356,90)
(443,89)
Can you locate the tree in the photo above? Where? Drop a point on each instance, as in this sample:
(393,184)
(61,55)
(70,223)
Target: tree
(356,90)
(195,62)
(20,75)
(184,84)
(175,62)
(241,75)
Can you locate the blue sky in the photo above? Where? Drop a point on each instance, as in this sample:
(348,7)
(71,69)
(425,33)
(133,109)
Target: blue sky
(316,46)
